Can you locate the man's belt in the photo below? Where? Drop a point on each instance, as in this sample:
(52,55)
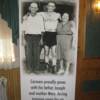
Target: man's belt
(33,34)
(64,34)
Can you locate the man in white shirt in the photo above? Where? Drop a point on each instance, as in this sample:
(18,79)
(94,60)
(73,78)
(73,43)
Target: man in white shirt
(32,30)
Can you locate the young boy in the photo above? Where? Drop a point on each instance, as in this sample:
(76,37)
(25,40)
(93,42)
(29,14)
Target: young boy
(49,38)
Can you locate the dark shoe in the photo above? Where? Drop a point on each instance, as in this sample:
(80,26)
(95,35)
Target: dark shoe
(54,69)
(46,66)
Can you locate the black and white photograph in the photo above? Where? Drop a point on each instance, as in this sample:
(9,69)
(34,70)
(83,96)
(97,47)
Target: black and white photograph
(48,29)
(48,49)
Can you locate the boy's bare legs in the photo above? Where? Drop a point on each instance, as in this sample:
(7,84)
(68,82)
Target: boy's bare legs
(46,54)
(54,58)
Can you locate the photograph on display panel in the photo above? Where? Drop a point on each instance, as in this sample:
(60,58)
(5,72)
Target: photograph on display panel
(48,49)
(48,29)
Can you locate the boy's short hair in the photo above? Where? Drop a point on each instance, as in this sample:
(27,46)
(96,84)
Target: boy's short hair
(52,2)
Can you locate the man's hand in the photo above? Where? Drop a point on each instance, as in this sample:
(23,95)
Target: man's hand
(41,41)
(23,39)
